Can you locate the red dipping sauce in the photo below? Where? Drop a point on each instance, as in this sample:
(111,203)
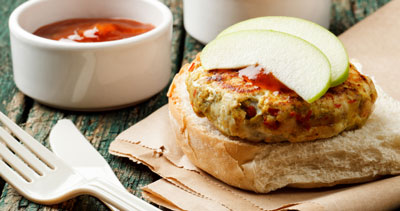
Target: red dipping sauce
(92,29)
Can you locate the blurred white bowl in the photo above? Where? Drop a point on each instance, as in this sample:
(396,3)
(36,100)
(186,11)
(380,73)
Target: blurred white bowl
(205,19)
(90,76)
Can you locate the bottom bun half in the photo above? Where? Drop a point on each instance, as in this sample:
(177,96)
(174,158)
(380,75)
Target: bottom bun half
(351,157)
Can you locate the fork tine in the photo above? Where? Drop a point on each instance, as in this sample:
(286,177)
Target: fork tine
(12,177)
(37,148)
(23,153)
(16,163)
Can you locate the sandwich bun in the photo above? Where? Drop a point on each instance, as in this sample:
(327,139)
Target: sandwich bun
(351,157)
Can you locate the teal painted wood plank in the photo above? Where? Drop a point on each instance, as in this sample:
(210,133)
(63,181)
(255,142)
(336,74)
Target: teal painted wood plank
(100,128)
(346,13)
(192,48)
(13,103)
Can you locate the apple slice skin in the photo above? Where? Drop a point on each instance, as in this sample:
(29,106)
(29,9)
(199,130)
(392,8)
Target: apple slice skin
(332,47)
(298,64)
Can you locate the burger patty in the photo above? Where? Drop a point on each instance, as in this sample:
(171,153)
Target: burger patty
(253,105)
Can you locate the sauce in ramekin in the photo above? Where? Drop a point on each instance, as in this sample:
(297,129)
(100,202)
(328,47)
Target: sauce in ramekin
(92,29)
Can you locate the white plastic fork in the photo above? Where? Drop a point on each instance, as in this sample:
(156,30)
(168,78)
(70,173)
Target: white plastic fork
(40,176)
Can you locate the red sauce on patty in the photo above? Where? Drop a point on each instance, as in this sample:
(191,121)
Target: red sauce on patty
(265,80)
(255,75)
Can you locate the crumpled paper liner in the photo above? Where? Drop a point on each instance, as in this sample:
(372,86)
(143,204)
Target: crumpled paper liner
(375,42)
(184,187)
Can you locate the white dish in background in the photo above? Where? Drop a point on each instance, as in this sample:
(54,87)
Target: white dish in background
(90,76)
(205,19)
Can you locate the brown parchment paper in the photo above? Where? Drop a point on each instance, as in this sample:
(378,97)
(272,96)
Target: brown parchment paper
(375,42)
(185,187)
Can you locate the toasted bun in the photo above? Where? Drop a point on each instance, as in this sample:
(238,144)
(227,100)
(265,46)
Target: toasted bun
(351,157)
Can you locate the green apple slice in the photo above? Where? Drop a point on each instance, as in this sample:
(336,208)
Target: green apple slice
(323,39)
(296,63)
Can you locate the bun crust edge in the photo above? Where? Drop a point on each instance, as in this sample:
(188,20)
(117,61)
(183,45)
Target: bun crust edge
(351,157)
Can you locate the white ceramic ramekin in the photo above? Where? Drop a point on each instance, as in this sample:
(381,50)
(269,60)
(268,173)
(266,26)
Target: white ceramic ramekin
(205,19)
(90,76)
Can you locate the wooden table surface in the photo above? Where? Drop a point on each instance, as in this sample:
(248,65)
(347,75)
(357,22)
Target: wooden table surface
(102,127)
